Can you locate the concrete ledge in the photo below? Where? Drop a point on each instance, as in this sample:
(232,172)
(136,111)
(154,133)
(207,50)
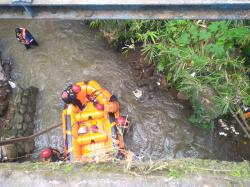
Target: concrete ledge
(125,9)
(121,12)
(173,173)
(129,2)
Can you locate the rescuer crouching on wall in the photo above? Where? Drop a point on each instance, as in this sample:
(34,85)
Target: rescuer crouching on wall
(51,155)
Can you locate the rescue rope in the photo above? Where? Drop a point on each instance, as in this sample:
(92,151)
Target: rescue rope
(24,156)
(27,138)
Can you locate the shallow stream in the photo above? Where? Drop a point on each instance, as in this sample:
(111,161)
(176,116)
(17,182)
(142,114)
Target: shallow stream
(69,52)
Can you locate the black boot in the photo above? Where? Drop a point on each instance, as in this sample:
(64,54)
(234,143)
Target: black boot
(34,43)
(27,46)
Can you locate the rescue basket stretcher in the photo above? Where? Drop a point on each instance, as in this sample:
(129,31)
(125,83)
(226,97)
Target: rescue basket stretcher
(95,128)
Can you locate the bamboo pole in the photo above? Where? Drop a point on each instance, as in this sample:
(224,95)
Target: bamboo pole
(27,138)
(239,122)
(243,118)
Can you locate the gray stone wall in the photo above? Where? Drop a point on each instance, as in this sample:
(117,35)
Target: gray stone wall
(17,111)
(5,89)
(5,93)
(23,122)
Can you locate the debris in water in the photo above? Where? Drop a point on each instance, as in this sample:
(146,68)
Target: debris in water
(12,84)
(222,123)
(193,74)
(137,93)
(232,127)
(222,134)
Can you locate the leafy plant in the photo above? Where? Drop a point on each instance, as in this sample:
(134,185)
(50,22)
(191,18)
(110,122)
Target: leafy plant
(174,173)
(194,55)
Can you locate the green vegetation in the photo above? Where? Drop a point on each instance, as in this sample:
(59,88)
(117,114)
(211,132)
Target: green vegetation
(206,60)
(172,168)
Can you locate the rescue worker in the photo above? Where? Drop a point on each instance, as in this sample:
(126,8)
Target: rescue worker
(69,96)
(246,112)
(24,36)
(51,155)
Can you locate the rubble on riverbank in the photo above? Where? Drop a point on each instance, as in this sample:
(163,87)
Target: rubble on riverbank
(17,111)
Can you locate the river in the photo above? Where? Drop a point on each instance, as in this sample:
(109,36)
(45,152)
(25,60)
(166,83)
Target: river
(70,52)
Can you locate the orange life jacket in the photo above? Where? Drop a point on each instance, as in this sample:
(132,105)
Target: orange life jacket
(22,37)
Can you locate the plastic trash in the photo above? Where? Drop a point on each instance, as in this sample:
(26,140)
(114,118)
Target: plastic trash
(12,84)
(137,93)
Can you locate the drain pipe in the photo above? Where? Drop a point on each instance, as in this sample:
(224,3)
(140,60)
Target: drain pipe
(25,4)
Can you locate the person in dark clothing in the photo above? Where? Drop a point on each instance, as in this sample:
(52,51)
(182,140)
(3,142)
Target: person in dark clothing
(69,96)
(51,155)
(24,36)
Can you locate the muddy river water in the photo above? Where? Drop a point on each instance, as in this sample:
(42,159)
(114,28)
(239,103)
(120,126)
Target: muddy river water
(69,52)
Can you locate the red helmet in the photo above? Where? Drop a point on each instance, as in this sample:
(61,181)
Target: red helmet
(99,106)
(94,128)
(91,98)
(76,89)
(46,153)
(121,120)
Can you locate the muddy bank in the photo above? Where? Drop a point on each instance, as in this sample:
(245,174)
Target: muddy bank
(173,173)
(226,132)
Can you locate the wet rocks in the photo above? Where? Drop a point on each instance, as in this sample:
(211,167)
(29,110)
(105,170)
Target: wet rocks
(109,36)
(5,93)
(24,116)
(229,136)
(182,96)
(4,97)
(17,111)
(3,107)
(8,152)
(147,76)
